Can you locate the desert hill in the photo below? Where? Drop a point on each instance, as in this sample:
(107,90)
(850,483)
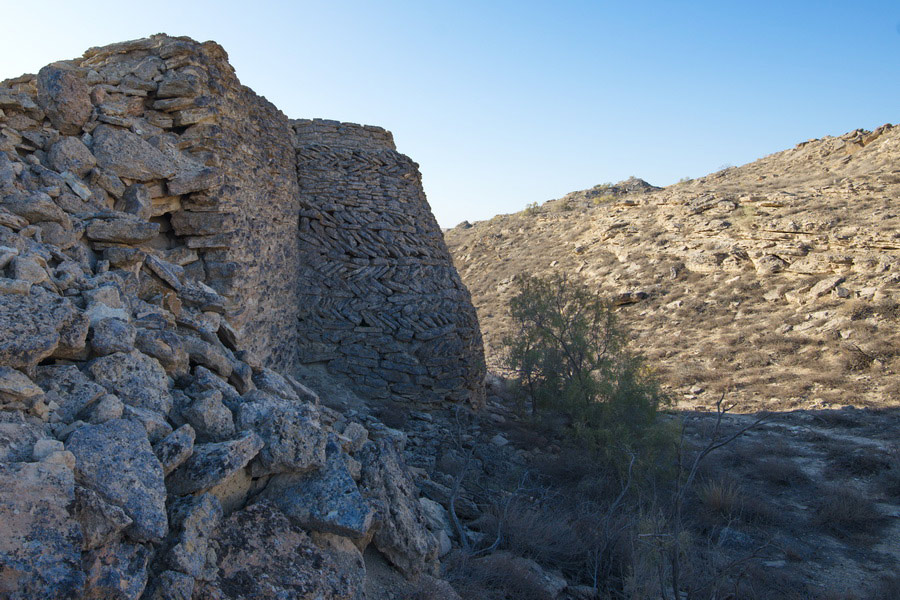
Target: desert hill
(778,279)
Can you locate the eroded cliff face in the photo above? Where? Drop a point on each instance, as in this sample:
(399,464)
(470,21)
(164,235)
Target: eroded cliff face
(153,273)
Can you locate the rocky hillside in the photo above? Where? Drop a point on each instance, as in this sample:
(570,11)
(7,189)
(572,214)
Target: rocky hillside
(153,213)
(778,280)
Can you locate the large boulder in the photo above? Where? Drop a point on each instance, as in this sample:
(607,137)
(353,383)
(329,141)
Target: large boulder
(69,388)
(127,155)
(262,555)
(115,459)
(294,438)
(210,464)
(325,500)
(40,542)
(70,154)
(36,326)
(402,533)
(137,379)
(64,97)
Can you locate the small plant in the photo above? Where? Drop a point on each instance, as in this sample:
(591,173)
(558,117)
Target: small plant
(720,497)
(685,179)
(845,512)
(532,209)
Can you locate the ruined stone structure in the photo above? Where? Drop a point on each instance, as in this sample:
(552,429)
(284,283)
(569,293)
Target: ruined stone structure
(379,295)
(348,268)
(169,242)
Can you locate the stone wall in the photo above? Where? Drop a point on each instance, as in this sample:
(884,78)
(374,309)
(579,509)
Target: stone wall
(381,303)
(316,235)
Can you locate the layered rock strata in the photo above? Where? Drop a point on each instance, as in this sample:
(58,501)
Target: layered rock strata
(150,290)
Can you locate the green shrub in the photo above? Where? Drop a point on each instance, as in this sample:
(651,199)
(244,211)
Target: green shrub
(570,356)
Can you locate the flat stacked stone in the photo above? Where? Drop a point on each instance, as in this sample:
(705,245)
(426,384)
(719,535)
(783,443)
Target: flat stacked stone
(381,302)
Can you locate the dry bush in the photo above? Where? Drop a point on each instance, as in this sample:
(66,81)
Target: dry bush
(863,462)
(551,534)
(781,472)
(720,497)
(845,512)
(495,577)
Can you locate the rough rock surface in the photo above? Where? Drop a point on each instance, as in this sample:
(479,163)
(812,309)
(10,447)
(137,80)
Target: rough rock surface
(250,565)
(154,279)
(40,545)
(402,534)
(116,460)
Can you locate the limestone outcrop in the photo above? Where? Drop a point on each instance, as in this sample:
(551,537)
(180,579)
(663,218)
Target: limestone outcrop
(171,248)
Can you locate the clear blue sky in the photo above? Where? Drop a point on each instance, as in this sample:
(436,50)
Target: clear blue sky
(507,103)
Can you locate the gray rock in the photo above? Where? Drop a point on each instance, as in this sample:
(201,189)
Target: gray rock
(127,155)
(175,448)
(40,542)
(107,408)
(325,500)
(17,390)
(402,534)
(171,585)
(137,379)
(26,268)
(194,181)
(294,438)
(122,230)
(34,327)
(249,565)
(112,335)
(204,379)
(178,85)
(153,423)
(212,463)
(168,272)
(101,522)
(166,347)
(269,381)
(69,388)
(70,154)
(65,98)
(211,419)
(208,355)
(116,572)
(36,207)
(116,460)
(202,223)
(194,519)
(18,436)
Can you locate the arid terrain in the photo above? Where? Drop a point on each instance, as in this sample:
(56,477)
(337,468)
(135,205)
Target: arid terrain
(778,280)
(774,285)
